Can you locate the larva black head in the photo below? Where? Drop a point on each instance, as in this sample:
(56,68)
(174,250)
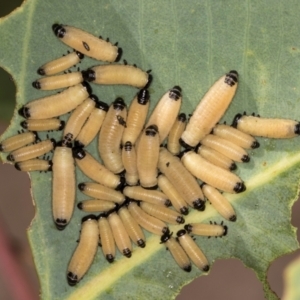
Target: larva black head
(143,96)
(79,205)
(79,54)
(181,117)
(41,71)
(121,184)
(78,144)
(17,166)
(120,52)
(166,230)
(78,153)
(239,187)
(165,237)
(183,153)
(236,120)
(59,30)
(50,165)
(184,210)
(89,75)
(127,252)
(61,224)
(24,124)
(102,215)
(197,147)
(88,218)
(151,130)
(180,220)
(231,78)
(61,125)
(94,98)
(24,112)
(122,173)
(188,227)
(87,87)
(102,105)
(150,78)
(10,157)
(245,158)
(81,186)
(53,141)
(233,166)
(187,268)
(36,84)
(128,146)
(225,230)
(181,232)
(199,204)
(155,187)
(141,243)
(297,128)
(36,137)
(175,93)
(119,104)
(72,279)
(255,145)
(168,203)
(202,184)
(184,144)
(205,268)
(232,218)
(110,258)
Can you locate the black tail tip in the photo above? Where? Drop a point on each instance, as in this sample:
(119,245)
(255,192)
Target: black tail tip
(184,144)
(119,55)
(225,230)
(236,120)
(150,79)
(297,128)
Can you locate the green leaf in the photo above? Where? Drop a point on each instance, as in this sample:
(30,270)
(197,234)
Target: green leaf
(186,43)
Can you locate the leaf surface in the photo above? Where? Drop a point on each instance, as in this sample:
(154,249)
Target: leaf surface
(186,43)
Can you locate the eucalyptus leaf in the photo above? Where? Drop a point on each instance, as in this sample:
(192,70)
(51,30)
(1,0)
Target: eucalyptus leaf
(186,43)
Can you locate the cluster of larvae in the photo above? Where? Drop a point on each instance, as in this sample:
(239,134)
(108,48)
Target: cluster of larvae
(135,164)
